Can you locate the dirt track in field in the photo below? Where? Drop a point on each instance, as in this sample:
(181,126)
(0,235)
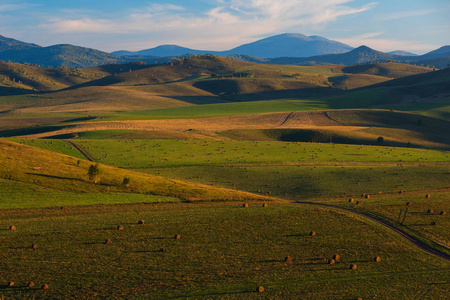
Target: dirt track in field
(405,236)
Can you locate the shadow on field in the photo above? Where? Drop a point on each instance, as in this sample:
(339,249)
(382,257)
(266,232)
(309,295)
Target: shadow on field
(55,177)
(31,130)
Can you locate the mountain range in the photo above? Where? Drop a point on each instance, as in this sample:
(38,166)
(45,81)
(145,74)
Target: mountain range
(289,48)
(283,45)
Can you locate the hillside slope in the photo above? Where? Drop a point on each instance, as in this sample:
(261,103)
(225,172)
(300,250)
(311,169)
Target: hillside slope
(60,172)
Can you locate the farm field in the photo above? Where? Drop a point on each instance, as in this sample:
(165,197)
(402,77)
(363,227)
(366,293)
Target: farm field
(201,263)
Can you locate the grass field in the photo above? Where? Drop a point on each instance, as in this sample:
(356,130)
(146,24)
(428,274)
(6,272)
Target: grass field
(288,170)
(225,251)
(184,145)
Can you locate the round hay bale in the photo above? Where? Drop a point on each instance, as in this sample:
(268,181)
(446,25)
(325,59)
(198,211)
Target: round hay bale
(428,196)
(30,284)
(351,200)
(433,223)
(108,241)
(11,284)
(400,192)
(34,246)
(162,249)
(442,212)
(45,287)
(177,236)
(367,196)
(331,261)
(336,257)
(120,227)
(377,259)
(408,203)
(288,259)
(141,222)
(245,205)
(12,228)
(353,267)
(265,205)
(358,202)
(430,211)
(312,233)
(260,289)
(63,207)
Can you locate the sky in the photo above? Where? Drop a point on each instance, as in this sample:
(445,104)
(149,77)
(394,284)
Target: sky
(418,26)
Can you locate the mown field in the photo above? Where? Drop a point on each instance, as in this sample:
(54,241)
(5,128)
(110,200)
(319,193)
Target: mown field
(225,251)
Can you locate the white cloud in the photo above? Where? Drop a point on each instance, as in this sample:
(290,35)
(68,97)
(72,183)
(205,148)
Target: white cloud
(230,22)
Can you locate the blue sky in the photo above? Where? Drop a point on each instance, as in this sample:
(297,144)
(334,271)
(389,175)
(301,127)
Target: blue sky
(413,25)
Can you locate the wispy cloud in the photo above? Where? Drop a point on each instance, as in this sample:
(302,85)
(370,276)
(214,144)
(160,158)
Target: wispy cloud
(407,14)
(230,21)
(8,7)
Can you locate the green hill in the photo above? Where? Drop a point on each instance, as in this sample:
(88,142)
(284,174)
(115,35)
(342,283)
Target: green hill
(29,165)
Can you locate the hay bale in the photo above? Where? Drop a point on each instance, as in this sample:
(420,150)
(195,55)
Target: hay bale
(260,289)
(12,228)
(30,284)
(34,246)
(377,259)
(162,249)
(265,205)
(245,205)
(408,203)
(430,211)
(331,261)
(312,233)
(11,284)
(442,212)
(433,223)
(120,227)
(358,202)
(63,207)
(336,257)
(351,200)
(108,241)
(45,287)
(177,236)
(141,222)
(428,196)
(400,192)
(367,196)
(288,259)
(353,267)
